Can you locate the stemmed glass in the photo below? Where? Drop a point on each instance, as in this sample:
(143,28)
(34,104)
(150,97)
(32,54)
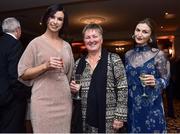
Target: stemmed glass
(142,76)
(77,79)
(60,70)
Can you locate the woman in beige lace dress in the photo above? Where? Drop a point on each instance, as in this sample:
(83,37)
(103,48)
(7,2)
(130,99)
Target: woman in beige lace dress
(46,65)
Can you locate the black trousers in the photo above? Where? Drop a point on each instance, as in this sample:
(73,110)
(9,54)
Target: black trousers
(12,116)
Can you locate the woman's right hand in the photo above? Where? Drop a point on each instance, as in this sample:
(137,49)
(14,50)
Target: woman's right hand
(74,87)
(54,63)
(148,80)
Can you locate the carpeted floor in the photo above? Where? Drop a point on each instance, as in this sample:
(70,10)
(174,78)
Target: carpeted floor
(173,124)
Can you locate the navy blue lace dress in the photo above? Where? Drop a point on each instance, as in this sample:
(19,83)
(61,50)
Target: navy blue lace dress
(146,113)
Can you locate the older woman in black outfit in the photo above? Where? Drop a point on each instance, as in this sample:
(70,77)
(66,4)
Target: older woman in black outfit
(103,104)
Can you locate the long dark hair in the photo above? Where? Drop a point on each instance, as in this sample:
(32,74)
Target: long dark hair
(51,10)
(151,23)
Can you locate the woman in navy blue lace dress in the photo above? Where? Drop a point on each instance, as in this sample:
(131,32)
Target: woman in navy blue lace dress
(148,74)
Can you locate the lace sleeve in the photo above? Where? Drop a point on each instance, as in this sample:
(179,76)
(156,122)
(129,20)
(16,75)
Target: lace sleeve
(163,68)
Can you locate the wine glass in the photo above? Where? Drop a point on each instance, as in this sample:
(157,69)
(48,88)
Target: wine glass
(77,79)
(142,76)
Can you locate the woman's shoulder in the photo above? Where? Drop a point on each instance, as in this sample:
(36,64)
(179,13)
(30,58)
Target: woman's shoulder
(160,53)
(35,41)
(77,62)
(38,38)
(66,45)
(129,52)
(114,55)
(157,52)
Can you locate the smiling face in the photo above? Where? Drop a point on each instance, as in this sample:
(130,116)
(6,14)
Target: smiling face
(142,33)
(55,22)
(93,40)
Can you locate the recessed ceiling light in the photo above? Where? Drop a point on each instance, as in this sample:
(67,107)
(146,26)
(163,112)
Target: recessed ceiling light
(92,19)
(166,13)
(120,43)
(77,44)
(169,15)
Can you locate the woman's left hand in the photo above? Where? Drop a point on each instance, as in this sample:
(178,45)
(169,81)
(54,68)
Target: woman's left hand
(117,124)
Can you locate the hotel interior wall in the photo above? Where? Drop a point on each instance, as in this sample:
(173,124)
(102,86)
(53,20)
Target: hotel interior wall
(177,43)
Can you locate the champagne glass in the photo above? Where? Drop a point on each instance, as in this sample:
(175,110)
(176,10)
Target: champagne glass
(77,79)
(142,76)
(60,71)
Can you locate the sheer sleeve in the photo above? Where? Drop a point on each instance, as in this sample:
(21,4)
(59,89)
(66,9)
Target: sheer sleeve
(163,68)
(26,61)
(71,64)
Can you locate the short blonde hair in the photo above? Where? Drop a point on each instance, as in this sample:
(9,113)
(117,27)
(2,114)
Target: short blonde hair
(92,26)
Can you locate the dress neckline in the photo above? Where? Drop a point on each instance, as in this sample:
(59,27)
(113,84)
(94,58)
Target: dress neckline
(142,48)
(55,49)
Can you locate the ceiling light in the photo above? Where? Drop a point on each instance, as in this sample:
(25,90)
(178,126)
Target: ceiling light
(170,37)
(92,19)
(119,49)
(77,44)
(120,43)
(169,15)
(166,13)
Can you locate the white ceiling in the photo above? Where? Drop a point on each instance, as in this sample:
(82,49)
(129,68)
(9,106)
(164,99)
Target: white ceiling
(121,15)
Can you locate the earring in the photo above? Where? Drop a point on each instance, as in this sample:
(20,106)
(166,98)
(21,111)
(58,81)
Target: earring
(150,40)
(133,36)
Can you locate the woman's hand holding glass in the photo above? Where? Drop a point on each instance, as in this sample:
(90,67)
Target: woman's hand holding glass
(75,86)
(148,80)
(56,64)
